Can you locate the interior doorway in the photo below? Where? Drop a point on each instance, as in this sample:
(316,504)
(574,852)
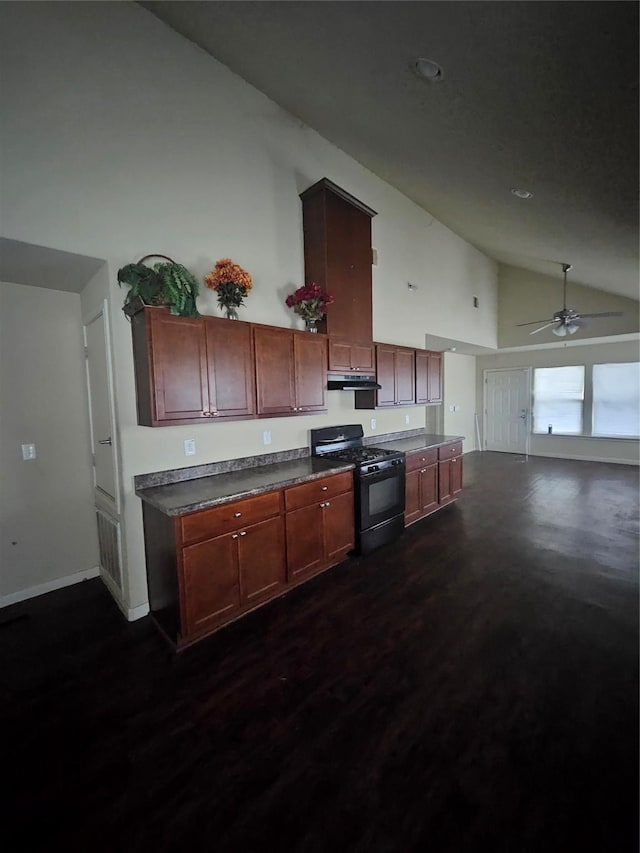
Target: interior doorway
(507,410)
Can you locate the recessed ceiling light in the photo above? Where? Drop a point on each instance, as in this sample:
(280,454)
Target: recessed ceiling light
(427,69)
(522,193)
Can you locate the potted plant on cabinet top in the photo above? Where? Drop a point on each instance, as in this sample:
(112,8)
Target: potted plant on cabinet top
(310,302)
(165,283)
(231,283)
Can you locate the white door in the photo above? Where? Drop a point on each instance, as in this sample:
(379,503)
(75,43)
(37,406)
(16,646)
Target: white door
(101,410)
(507,400)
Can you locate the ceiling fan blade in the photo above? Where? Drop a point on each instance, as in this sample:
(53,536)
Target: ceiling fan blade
(535,331)
(533,322)
(605,314)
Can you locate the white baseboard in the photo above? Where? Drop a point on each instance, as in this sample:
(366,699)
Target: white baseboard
(50,586)
(130,613)
(588,458)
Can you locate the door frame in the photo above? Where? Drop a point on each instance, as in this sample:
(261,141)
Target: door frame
(529,373)
(102,499)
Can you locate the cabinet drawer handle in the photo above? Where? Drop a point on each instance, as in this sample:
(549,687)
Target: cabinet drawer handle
(237,514)
(243,533)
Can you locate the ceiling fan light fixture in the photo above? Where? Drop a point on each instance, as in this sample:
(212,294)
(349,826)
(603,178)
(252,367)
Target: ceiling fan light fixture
(560,331)
(427,70)
(572,329)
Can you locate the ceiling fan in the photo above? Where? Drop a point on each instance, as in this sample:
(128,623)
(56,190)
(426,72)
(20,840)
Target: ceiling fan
(568,320)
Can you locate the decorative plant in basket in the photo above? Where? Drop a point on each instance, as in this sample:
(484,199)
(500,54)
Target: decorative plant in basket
(310,302)
(165,283)
(231,283)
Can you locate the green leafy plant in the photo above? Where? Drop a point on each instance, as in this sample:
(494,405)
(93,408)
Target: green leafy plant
(165,283)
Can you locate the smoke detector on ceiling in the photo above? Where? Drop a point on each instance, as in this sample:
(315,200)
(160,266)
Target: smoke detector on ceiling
(427,69)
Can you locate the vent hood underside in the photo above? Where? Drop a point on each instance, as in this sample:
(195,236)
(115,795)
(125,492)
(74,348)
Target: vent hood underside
(352,383)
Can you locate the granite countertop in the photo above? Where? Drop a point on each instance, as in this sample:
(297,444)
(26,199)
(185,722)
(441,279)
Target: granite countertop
(425,441)
(204,492)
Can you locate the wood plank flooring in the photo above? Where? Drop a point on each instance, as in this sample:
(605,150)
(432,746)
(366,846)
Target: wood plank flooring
(472,687)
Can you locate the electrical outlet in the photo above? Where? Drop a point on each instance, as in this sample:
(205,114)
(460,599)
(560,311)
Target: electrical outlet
(28,451)
(189,447)
(407,419)
(266,437)
(452,408)
(373,423)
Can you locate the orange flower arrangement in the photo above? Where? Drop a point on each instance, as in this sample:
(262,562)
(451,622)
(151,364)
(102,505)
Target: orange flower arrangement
(231,283)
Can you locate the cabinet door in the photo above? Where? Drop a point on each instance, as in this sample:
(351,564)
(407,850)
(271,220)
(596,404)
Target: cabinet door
(428,489)
(405,377)
(179,386)
(386,375)
(310,371)
(434,377)
(422,370)
(339,355)
(362,357)
(274,370)
(338,525)
(348,259)
(456,475)
(230,368)
(305,551)
(444,482)
(210,582)
(413,508)
(261,559)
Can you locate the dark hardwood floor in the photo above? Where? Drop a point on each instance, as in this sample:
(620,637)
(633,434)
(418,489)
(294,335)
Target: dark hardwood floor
(472,687)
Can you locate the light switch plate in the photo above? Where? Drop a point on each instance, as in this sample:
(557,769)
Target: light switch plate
(266,437)
(373,423)
(28,451)
(407,419)
(189,447)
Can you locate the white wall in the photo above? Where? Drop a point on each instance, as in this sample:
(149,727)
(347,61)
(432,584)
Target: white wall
(460,393)
(47,525)
(121,138)
(575,352)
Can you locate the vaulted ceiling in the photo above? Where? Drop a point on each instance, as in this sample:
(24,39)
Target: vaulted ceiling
(535,96)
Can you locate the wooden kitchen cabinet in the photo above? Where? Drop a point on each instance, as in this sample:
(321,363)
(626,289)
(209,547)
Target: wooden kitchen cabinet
(319,524)
(449,472)
(428,377)
(421,497)
(291,371)
(189,370)
(337,256)
(347,357)
(395,372)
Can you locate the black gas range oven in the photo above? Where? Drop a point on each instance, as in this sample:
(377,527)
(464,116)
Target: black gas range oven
(379,482)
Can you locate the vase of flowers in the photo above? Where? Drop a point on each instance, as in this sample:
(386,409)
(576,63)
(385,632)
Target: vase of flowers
(231,283)
(309,302)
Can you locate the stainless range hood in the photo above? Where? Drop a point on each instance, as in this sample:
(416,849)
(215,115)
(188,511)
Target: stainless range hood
(349,382)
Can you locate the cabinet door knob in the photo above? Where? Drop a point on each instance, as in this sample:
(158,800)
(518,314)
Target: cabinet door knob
(237,514)
(234,535)
(322,505)
(328,503)
(215,414)
(324,488)
(243,533)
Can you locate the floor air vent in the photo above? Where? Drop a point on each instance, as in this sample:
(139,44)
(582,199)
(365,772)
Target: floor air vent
(110,547)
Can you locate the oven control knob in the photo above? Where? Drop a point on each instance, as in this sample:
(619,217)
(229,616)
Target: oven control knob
(374,467)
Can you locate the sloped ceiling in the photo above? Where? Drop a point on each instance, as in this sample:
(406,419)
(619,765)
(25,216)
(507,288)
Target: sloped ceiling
(535,95)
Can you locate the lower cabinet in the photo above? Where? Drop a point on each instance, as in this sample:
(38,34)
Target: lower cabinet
(319,524)
(209,567)
(434,478)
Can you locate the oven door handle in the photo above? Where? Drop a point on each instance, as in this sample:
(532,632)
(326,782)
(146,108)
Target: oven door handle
(377,476)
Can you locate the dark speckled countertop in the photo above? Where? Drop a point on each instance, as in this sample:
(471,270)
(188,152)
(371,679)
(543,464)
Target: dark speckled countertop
(424,441)
(204,492)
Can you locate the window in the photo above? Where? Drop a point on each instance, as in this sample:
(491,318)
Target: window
(616,400)
(558,398)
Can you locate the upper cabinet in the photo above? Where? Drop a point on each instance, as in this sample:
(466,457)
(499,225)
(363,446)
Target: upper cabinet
(189,370)
(395,372)
(428,377)
(337,256)
(347,357)
(291,370)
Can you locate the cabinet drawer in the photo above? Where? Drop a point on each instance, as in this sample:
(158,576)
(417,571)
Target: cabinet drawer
(208,523)
(317,490)
(421,458)
(448,451)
